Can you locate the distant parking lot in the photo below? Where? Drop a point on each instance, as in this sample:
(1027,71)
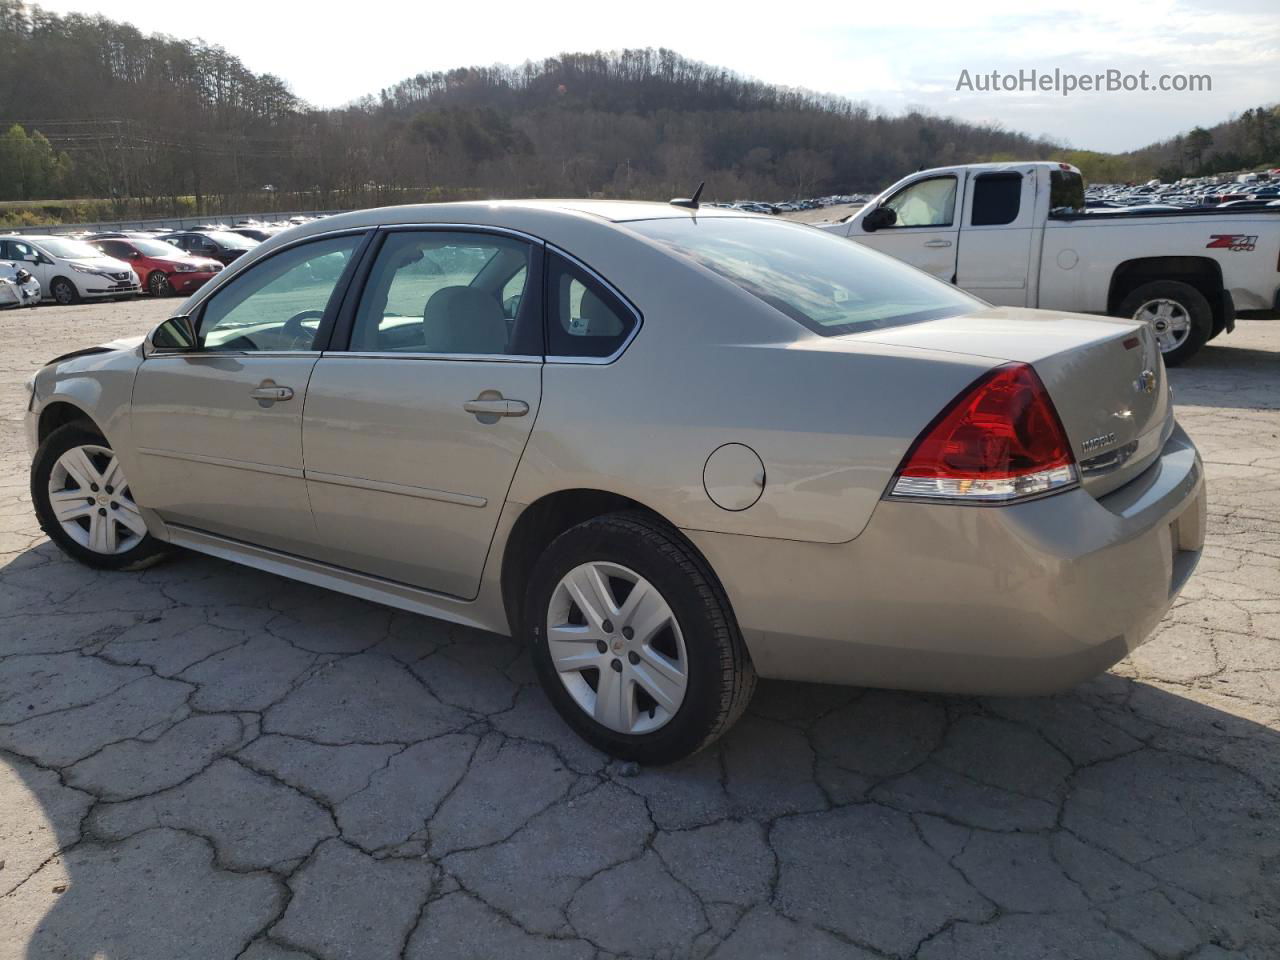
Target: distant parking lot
(206,761)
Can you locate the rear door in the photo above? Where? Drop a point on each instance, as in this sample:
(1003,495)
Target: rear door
(927,225)
(413,432)
(219,428)
(994,258)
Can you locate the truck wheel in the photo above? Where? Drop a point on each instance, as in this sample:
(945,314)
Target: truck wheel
(1178,313)
(634,640)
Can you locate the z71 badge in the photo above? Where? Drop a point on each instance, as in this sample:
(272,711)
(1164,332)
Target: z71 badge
(1235,242)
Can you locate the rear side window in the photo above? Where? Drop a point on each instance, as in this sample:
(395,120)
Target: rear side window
(996,198)
(585,318)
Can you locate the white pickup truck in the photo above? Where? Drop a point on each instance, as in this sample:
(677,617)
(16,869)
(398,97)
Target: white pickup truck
(1017,234)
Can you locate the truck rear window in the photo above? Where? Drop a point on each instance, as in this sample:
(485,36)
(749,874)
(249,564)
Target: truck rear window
(1066,192)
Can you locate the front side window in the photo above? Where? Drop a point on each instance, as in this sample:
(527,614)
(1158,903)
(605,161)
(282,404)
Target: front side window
(449,292)
(822,281)
(278,304)
(996,199)
(925,203)
(21,251)
(586,319)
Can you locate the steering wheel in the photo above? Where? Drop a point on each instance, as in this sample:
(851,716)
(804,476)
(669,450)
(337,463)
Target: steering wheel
(298,336)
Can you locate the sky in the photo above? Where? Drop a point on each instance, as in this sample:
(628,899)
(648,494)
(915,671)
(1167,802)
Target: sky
(891,56)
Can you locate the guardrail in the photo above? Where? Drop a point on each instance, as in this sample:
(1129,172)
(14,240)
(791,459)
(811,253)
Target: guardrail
(166,223)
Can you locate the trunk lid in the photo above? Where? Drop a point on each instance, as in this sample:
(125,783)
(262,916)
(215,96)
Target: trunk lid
(1104,375)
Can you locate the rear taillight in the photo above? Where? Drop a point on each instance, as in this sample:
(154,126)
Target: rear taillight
(1000,440)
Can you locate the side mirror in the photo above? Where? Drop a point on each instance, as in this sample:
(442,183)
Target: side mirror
(175,334)
(878,218)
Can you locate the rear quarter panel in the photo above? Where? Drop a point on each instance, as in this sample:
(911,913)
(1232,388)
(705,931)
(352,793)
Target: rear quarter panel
(829,417)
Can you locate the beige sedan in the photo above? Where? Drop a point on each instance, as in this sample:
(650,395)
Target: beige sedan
(673,448)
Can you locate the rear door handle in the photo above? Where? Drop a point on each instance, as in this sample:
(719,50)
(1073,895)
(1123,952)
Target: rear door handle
(496,408)
(269,392)
(937,243)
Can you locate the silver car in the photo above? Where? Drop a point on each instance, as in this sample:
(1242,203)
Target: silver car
(672,448)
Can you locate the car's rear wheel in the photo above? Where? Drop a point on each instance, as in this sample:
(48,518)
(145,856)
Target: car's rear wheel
(64,291)
(84,504)
(634,640)
(158,284)
(1177,313)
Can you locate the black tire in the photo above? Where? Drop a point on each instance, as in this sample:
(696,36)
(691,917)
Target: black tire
(143,554)
(158,284)
(721,678)
(63,291)
(1190,299)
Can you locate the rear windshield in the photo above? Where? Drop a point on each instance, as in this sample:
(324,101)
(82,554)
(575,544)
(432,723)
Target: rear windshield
(1066,193)
(831,285)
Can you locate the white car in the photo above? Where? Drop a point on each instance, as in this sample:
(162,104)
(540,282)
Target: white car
(18,288)
(70,270)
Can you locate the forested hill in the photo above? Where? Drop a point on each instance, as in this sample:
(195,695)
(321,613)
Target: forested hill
(107,111)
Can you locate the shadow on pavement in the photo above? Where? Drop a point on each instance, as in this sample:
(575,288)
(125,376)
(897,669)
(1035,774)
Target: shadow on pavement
(202,759)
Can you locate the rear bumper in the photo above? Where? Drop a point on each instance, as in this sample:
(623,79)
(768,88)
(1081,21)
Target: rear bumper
(1024,599)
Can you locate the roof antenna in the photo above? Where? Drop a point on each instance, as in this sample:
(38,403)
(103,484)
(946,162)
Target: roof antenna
(690,202)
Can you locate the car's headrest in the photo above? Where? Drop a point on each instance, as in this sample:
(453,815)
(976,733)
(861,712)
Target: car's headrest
(599,320)
(463,320)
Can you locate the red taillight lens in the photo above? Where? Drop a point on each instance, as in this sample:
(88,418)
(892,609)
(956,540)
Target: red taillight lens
(999,440)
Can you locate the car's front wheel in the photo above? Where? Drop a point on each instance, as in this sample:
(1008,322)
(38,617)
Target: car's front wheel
(64,291)
(158,284)
(84,504)
(634,640)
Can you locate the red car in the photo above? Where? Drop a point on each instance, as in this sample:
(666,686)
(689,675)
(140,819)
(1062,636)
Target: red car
(161,267)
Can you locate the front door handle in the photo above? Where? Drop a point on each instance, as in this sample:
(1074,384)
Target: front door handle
(269,392)
(937,243)
(486,407)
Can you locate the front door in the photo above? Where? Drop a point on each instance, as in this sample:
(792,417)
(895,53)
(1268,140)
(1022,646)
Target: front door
(218,430)
(413,434)
(35,264)
(926,230)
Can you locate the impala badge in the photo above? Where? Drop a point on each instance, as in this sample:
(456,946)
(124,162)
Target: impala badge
(1146,382)
(1094,444)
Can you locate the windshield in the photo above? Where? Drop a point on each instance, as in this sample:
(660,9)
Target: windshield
(831,285)
(157,248)
(70,249)
(232,241)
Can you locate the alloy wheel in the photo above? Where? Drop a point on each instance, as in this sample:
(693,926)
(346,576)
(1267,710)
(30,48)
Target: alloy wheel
(91,500)
(1168,319)
(158,283)
(617,647)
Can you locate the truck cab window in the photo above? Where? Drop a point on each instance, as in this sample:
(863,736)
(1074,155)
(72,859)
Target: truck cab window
(925,203)
(996,199)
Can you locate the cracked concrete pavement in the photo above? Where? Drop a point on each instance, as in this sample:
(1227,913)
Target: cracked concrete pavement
(207,761)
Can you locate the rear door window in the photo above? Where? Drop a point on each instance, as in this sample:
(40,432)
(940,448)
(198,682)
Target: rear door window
(996,199)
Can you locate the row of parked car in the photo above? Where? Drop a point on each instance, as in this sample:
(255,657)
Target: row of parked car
(71,268)
(1245,191)
(791,206)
